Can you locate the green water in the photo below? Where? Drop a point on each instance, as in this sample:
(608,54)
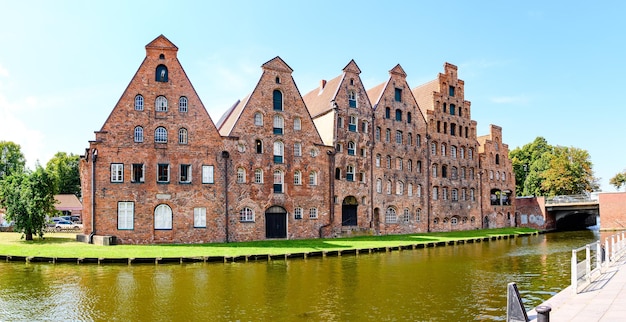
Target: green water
(452,283)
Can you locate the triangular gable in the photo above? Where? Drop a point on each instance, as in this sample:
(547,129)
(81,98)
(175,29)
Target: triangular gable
(277,64)
(352,67)
(161,42)
(398,70)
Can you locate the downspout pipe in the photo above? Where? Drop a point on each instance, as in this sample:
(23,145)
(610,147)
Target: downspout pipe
(225,156)
(331,189)
(94,157)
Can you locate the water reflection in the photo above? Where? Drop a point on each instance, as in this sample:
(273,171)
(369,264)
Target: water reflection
(460,283)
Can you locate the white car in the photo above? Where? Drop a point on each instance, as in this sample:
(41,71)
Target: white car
(65,224)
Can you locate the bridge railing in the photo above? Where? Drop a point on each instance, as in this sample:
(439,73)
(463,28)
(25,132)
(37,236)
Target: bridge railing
(589,261)
(564,199)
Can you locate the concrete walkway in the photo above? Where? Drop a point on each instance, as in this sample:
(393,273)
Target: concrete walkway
(603,300)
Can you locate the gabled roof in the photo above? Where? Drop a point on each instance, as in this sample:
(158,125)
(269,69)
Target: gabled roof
(424,95)
(376,92)
(67,202)
(398,70)
(161,42)
(229,118)
(318,100)
(277,64)
(352,67)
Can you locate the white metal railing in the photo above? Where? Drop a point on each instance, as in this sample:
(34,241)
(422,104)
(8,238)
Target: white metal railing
(596,258)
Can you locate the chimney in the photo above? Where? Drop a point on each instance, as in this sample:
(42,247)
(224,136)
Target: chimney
(322,84)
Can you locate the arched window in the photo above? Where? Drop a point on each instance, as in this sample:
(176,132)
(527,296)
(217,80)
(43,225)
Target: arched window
(246,215)
(390,216)
(408,117)
(241,175)
(379,186)
(398,115)
(409,139)
(182,136)
(434,171)
(388,187)
(160,135)
(399,188)
(443,149)
(444,171)
(258,119)
(497,159)
(182,104)
(279,123)
(350,173)
(409,165)
(418,140)
(278,100)
(338,173)
(351,148)
(279,150)
(258,176)
(163,217)
(378,160)
(161,74)
(297,124)
(387,135)
(259,146)
(278,181)
(419,190)
(313,178)
(160,104)
(406,216)
(138,134)
(453,151)
(433,148)
(138,103)
(409,189)
(387,113)
(452,110)
(388,162)
(297,178)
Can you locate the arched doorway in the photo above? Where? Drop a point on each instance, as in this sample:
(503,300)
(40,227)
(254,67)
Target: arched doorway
(276,222)
(348,211)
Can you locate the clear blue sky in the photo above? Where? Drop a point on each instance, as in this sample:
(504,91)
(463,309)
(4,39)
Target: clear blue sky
(536,68)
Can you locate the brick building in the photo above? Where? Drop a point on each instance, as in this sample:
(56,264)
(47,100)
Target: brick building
(340,159)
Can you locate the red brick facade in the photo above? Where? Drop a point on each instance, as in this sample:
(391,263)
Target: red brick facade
(278,165)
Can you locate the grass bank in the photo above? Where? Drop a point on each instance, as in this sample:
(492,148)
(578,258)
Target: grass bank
(64,245)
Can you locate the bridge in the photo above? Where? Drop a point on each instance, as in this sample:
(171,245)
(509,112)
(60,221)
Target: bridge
(573,212)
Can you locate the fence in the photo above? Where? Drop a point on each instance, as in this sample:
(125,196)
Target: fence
(588,265)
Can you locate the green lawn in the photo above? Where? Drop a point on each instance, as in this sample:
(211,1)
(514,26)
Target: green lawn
(64,245)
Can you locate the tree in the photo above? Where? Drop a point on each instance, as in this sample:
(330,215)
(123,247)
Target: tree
(64,170)
(545,170)
(28,197)
(618,180)
(11,159)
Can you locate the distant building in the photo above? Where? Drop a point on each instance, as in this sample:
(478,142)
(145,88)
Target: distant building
(68,205)
(339,160)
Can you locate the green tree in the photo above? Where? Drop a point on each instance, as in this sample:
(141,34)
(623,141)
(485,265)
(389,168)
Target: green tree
(618,180)
(64,170)
(28,197)
(11,159)
(545,170)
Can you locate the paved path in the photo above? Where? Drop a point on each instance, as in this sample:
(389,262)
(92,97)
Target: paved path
(604,300)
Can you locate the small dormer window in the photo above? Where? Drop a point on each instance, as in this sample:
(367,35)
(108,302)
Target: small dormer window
(277,80)
(161,74)
(351,81)
(161,56)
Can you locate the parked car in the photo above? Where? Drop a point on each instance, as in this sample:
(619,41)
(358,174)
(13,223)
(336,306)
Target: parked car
(66,224)
(75,219)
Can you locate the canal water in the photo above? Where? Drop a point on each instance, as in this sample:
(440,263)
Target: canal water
(452,283)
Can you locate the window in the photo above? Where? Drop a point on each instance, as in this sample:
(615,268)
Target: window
(398,115)
(363,152)
(339,147)
(472,195)
(258,119)
(462,152)
(390,216)
(163,173)
(406,217)
(362,177)
(497,159)
(471,173)
(351,148)
(259,146)
(313,213)
(444,193)
(185,173)
(277,100)
(451,90)
(278,181)
(379,185)
(388,162)
(338,173)
(353,123)
(490,174)
(452,109)
(117,172)
(454,221)
(433,148)
(160,104)
(388,187)
(463,173)
(418,215)
(297,124)
(398,95)
(387,113)
(399,137)
(434,171)
(419,166)
(160,135)
(138,103)
(435,193)
(470,154)
(350,173)
(419,191)
(279,123)
(313,178)
(408,117)
(387,135)
(182,104)
(246,215)
(377,133)
(378,160)
(258,176)
(125,215)
(409,190)
(418,140)
(138,170)
(241,175)
(339,122)
(297,213)
(297,178)
(297,149)
(443,149)
(455,195)
(163,217)
(199,217)
(277,80)
(453,151)
(352,99)
(364,126)
(409,165)
(454,173)
(463,194)
(399,188)
(182,136)
(409,139)
(279,150)
(399,164)
(138,134)
(161,74)
(444,171)
(207,174)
